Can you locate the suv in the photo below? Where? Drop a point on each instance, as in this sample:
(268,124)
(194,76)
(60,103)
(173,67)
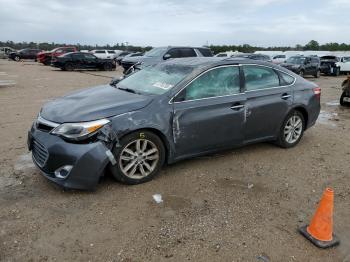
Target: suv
(160,54)
(344,64)
(329,65)
(106,54)
(26,53)
(45,57)
(303,65)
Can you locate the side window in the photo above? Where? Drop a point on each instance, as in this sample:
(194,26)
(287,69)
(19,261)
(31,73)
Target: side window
(77,56)
(346,59)
(174,53)
(286,79)
(216,82)
(259,77)
(99,52)
(89,56)
(187,52)
(68,50)
(205,52)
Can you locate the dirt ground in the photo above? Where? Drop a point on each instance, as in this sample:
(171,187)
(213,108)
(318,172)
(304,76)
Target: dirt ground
(239,205)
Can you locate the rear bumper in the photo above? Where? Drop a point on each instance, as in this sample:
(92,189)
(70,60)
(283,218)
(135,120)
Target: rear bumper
(88,161)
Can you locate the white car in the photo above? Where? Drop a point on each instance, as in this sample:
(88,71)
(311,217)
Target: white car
(344,64)
(279,59)
(4,51)
(106,54)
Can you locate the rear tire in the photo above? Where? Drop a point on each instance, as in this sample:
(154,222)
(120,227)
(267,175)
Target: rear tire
(342,102)
(107,67)
(301,73)
(17,58)
(69,67)
(139,158)
(292,130)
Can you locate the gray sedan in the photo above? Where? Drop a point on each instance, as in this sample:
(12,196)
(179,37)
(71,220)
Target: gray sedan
(177,109)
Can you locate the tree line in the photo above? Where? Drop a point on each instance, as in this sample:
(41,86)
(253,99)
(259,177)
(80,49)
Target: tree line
(245,48)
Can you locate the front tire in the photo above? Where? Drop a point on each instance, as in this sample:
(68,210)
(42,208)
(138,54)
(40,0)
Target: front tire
(139,158)
(292,130)
(301,73)
(17,58)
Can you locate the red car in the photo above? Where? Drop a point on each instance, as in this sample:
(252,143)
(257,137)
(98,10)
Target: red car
(45,57)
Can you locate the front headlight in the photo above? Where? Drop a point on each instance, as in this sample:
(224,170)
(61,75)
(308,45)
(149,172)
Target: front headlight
(79,131)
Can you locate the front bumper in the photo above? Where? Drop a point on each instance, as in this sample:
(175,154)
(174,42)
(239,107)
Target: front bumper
(88,161)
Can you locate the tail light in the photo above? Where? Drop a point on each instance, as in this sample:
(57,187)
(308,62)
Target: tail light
(317,92)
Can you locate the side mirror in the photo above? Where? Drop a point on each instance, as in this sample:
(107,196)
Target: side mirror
(166,56)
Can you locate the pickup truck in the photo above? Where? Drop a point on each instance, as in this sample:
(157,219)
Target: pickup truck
(45,57)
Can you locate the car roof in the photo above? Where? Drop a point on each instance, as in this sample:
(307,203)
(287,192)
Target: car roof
(207,62)
(182,47)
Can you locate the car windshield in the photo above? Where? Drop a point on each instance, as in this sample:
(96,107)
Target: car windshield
(156,52)
(296,60)
(155,80)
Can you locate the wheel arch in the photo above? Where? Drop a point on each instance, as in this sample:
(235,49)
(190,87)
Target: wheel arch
(304,112)
(157,132)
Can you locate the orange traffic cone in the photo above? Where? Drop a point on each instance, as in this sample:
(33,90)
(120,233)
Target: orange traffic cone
(320,230)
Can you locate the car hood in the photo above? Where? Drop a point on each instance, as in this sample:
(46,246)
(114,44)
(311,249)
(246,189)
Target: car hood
(93,103)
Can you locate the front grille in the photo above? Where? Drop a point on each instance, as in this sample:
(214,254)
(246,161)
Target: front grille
(40,153)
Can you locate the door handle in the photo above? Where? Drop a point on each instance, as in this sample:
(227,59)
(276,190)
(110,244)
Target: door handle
(286,96)
(237,107)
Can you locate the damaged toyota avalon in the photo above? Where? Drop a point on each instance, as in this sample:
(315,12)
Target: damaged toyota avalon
(161,114)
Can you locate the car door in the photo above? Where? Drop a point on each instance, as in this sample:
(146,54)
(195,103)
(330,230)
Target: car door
(90,61)
(208,113)
(269,97)
(78,60)
(308,66)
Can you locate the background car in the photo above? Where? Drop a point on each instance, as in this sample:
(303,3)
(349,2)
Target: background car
(344,64)
(46,56)
(4,51)
(260,57)
(26,53)
(80,60)
(329,65)
(106,54)
(119,59)
(160,54)
(278,59)
(303,65)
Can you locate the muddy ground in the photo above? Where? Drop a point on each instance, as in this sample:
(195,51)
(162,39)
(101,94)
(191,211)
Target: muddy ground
(239,205)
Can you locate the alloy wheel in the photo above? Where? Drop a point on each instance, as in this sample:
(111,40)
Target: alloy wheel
(293,129)
(139,158)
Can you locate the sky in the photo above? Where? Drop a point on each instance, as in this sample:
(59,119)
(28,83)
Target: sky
(176,22)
